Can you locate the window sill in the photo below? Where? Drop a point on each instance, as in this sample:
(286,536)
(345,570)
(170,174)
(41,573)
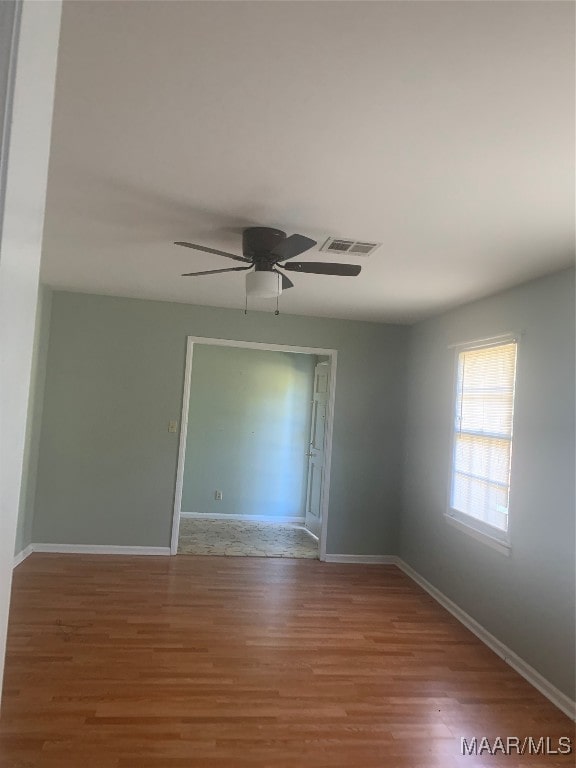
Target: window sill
(491,541)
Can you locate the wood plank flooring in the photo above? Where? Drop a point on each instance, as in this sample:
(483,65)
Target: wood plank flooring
(211,662)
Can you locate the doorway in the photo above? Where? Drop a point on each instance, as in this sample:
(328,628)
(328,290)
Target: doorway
(255,449)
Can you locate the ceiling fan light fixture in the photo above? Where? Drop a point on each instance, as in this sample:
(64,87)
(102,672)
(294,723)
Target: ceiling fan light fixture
(263,285)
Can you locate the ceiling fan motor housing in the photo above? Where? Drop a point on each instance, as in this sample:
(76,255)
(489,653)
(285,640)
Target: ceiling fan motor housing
(259,241)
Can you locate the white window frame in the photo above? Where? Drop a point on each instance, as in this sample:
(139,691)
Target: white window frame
(488,534)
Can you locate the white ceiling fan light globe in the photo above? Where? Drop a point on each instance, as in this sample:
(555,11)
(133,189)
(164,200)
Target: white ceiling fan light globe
(263,285)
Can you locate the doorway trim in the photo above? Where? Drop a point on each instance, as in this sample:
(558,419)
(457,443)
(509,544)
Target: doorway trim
(332,354)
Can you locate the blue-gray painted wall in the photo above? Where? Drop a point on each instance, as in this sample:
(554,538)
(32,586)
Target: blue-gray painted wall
(248,432)
(114,379)
(34,421)
(525,599)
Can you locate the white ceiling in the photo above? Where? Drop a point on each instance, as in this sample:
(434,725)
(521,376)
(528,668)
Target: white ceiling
(443,130)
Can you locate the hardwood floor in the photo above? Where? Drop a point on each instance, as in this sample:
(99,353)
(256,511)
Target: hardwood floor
(189,662)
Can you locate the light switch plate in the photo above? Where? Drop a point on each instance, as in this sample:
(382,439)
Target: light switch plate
(172,425)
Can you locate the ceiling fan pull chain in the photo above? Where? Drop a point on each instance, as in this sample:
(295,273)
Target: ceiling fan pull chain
(246,304)
(278,294)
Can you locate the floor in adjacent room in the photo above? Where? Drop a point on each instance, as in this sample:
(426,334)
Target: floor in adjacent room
(214,662)
(246,538)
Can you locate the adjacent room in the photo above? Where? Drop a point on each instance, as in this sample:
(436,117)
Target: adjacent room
(288,384)
(252,452)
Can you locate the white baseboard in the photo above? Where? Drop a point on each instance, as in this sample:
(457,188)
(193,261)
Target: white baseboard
(22,555)
(253,518)
(362,559)
(98,549)
(539,682)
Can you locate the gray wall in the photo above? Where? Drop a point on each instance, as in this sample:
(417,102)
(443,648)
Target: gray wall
(115,373)
(22,207)
(34,420)
(9,21)
(248,431)
(527,599)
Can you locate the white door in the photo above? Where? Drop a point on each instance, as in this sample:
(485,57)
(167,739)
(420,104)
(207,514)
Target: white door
(316,453)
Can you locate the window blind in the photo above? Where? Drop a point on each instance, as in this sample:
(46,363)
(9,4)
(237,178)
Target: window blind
(483,433)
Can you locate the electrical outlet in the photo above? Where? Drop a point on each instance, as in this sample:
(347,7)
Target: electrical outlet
(218,495)
(172,425)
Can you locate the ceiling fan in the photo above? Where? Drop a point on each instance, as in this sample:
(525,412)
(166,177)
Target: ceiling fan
(265,250)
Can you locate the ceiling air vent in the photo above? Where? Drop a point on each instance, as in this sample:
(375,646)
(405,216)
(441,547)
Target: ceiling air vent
(356,247)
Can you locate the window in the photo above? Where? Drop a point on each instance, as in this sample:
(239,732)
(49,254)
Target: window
(482,445)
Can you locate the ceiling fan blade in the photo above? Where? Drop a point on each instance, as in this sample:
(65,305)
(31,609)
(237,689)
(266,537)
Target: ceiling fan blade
(212,250)
(216,271)
(323,268)
(286,282)
(292,246)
